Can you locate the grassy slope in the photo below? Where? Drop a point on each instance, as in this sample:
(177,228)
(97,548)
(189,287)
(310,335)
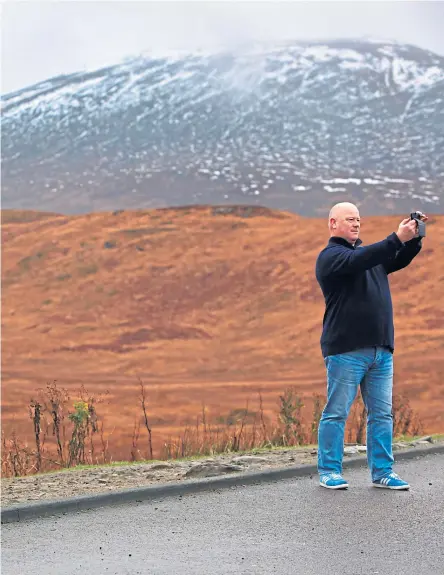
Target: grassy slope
(205,307)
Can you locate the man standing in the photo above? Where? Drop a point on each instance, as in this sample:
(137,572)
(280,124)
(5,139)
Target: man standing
(357,340)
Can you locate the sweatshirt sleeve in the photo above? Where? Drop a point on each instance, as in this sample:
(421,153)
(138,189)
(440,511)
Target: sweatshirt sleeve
(339,260)
(404,256)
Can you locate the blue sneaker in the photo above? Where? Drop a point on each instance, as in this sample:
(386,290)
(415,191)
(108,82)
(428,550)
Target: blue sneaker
(391,481)
(332,481)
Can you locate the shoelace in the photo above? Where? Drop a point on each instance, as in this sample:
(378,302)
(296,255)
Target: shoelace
(394,475)
(325,478)
(335,476)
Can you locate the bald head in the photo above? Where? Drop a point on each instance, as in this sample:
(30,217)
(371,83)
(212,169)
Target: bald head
(340,208)
(344,221)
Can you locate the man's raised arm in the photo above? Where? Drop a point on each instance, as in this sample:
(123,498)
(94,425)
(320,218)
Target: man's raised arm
(338,260)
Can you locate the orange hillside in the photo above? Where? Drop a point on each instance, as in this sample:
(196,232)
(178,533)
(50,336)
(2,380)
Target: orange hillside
(205,304)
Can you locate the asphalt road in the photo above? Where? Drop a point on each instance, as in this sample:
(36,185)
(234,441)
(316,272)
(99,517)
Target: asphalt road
(288,527)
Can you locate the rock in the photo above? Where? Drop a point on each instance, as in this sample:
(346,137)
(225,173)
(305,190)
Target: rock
(425,439)
(160,466)
(248,459)
(125,472)
(351,450)
(313,452)
(362,448)
(212,469)
(399,445)
(103,481)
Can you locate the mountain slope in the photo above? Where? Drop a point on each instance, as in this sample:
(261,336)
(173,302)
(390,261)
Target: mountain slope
(206,304)
(294,127)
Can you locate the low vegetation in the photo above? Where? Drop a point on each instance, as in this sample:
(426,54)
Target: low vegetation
(69,431)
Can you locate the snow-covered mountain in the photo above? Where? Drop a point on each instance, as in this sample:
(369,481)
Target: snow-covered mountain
(289,126)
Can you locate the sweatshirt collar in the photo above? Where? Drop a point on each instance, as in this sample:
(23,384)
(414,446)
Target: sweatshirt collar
(344,242)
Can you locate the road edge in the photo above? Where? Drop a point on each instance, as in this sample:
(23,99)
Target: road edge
(25,511)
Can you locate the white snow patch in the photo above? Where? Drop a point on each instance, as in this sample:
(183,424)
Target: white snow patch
(343,181)
(350,65)
(330,189)
(397,180)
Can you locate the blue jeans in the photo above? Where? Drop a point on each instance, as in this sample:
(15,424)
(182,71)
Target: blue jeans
(372,369)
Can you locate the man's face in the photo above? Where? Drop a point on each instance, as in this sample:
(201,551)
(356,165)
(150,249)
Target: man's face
(346,224)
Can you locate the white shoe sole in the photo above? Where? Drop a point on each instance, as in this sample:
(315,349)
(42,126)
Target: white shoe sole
(398,488)
(343,486)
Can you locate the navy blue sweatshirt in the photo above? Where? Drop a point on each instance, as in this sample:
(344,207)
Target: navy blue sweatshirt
(356,289)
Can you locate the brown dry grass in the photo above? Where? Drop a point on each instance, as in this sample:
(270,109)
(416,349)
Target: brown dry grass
(206,308)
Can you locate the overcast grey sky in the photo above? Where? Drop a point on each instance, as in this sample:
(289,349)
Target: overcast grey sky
(44,39)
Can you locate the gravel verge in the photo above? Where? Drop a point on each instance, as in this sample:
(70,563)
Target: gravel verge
(117,477)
